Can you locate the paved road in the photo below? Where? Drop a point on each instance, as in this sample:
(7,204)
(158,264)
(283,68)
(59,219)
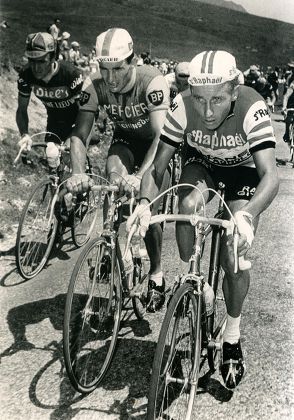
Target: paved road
(33,384)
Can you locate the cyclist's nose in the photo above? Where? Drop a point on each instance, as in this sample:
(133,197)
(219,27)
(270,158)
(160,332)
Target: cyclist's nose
(110,76)
(208,110)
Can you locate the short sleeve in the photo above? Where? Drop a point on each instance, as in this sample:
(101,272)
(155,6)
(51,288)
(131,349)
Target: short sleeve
(157,94)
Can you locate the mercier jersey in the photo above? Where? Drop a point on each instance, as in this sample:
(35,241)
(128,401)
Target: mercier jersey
(58,95)
(246,129)
(130,110)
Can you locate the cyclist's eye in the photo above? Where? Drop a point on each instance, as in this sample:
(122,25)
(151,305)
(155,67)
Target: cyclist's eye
(217,100)
(199,99)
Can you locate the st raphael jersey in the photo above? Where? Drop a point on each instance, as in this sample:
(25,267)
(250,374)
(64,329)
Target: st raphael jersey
(130,110)
(59,95)
(246,129)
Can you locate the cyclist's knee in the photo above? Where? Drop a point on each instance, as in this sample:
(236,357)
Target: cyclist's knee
(189,203)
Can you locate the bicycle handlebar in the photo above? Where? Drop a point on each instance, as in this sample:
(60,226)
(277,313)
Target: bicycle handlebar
(194,219)
(61,147)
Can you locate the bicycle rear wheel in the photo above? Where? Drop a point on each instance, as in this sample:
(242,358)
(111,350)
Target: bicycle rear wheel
(35,236)
(176,362)
(92,315)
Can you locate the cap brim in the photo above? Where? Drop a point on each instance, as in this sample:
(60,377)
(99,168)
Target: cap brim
(36,54)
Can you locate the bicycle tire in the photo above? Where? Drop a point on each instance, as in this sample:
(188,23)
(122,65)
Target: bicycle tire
(92,315)
(175,369)
(140,288)
(32,254)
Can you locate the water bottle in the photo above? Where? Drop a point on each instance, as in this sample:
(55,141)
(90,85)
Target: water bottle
(52,153)
(208,298)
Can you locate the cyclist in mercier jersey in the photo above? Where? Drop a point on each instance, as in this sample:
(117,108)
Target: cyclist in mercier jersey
(228,138)
(136,99)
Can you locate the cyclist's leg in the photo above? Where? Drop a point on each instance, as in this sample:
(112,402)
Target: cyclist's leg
(235,285)
(288,121)
(196,173)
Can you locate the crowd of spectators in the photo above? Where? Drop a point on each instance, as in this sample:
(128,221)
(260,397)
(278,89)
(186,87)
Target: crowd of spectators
(270,83)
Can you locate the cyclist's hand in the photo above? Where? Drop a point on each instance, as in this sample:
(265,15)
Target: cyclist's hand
(79,183)
(25,143)
(131,184)
(284,112)
(141,214)
(246,231)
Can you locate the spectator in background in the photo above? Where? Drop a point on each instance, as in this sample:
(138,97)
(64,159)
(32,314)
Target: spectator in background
(64,46)
(251,76)
(54,29)
(265,89)
(273,79)
(74,54)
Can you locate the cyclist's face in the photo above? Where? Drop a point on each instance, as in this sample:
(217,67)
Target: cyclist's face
(213,103)
(41,66)
(116,75)
(182,82)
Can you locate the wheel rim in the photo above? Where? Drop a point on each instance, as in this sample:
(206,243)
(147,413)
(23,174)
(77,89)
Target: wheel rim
(176,388)
(36,233)
(92,319)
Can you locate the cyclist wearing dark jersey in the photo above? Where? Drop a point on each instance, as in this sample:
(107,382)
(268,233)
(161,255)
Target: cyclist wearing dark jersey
(136,99)
(228,136)
(288,106)
(56,84)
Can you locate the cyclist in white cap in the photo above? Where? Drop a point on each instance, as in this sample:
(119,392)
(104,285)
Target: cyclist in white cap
(136,99)
(57,84)
(229,138)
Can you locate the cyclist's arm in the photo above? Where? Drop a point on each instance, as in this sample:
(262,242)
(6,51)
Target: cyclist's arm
(22,118)
(78,141)
(157,119)
(268,186)
(153,177)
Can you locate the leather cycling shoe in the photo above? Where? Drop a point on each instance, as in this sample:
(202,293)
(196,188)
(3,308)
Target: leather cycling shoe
(155,296)
(233,366)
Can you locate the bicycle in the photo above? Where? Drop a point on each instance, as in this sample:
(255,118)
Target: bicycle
(42,221)
(190,335)
(98,290)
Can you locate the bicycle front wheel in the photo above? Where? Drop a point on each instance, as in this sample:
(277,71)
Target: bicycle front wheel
(36,232)
(176,362)
(291,143)
(92,315)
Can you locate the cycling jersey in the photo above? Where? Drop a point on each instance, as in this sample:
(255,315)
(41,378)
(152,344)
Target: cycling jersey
(130,110)
(246,129)
(58,95)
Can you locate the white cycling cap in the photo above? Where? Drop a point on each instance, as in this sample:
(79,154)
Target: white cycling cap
(65,35)
(212,68)
(114,45)
(75,44)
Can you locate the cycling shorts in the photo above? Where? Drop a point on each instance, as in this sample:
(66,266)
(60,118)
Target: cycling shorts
(61,128)
(240,181)
(137,147)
